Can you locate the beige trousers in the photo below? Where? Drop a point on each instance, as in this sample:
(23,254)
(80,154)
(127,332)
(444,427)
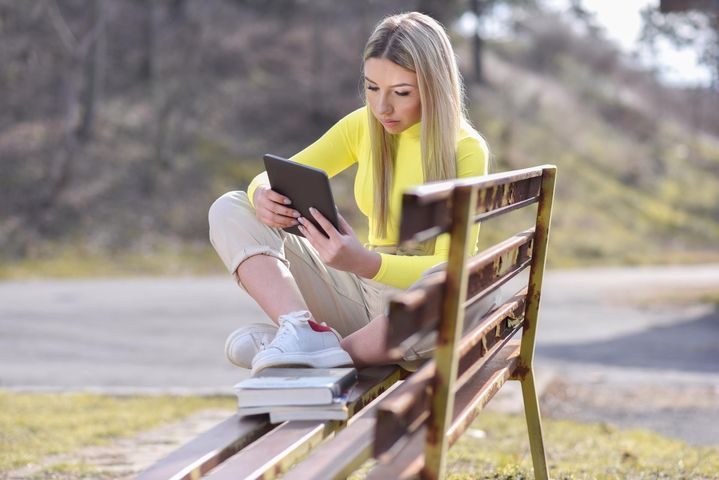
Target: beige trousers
(343,300)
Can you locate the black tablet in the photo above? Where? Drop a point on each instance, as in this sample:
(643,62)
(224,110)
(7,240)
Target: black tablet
(305,186)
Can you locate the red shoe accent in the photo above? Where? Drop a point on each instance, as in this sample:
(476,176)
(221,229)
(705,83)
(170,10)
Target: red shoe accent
(317,327)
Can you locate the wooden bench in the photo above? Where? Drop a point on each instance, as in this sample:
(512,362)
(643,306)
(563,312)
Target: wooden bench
(408,426)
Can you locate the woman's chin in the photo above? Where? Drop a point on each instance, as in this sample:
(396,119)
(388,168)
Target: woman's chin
(393,128)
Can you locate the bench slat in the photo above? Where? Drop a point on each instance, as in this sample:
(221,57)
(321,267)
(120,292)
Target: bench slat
(277,451)
(407,408)
(415,313)
(344,453)
(497,265)
(406,458)
(426,208)
(495,329)
(478,391)
(274,452)
(209,449)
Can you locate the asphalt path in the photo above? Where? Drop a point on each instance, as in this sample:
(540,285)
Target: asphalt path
(598,327)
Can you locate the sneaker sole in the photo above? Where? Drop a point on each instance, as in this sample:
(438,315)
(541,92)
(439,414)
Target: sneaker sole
(330,358)
(254,328)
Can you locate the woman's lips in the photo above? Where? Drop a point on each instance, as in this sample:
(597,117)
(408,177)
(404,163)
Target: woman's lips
(390,122)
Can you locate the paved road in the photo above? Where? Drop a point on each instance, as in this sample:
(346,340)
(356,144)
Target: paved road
(167,334)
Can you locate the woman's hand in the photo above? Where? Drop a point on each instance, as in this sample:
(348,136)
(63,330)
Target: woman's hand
(341,250)
(271,208)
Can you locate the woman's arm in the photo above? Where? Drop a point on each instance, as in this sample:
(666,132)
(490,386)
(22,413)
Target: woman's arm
(401,271)
(340,249)
(332,152)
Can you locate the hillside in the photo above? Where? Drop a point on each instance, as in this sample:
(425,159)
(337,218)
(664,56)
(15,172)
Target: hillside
(186,116)
(638,182)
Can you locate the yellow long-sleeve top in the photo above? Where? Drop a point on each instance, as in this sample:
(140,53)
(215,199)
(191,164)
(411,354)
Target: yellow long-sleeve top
(348,142)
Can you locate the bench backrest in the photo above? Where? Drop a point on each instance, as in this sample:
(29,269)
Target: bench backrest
(426,402)
(410,427)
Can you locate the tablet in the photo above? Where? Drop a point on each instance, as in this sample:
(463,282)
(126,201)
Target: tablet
(305,186)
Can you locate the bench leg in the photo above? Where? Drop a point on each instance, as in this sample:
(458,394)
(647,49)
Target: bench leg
(534,426)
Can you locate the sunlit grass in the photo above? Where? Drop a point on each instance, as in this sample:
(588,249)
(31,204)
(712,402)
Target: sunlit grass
(71,262)
(678,297)
(33,426)
(497,447)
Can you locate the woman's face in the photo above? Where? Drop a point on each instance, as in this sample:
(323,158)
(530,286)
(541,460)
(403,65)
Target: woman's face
(392,94)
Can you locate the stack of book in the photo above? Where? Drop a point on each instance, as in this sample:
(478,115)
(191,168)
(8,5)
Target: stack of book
(297,393)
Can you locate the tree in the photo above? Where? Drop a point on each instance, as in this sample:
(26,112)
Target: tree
(480,9)
(685,24)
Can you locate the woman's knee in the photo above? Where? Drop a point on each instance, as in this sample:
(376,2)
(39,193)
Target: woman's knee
(229,205)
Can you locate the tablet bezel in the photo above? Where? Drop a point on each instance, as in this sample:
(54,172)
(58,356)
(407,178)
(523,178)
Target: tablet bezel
(305,186)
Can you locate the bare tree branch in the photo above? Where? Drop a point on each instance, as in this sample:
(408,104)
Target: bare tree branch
(62,28)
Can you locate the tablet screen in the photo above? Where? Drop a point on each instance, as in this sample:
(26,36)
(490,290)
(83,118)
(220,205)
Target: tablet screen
(305,186)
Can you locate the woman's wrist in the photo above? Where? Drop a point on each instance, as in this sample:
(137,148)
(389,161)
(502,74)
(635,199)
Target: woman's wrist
(369,265)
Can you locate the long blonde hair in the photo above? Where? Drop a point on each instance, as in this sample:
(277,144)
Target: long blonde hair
(418,43)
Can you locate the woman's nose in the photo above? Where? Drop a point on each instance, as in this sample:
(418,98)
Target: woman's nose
(385,106)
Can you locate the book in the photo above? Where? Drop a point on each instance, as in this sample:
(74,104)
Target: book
(337,410)
(280,416)
(294,386)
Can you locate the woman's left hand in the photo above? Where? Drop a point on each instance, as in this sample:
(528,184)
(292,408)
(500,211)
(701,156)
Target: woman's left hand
(342,250)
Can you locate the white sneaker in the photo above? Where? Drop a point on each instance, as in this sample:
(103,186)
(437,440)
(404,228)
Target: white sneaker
(302,342)
(244,343)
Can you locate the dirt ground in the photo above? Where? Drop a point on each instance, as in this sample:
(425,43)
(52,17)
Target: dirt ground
(600,357)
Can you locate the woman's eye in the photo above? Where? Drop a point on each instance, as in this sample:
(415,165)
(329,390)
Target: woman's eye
(374,89)
(402,94)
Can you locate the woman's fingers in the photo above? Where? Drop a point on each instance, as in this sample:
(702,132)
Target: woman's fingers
(283,221)
(271,209)
(346,228)
(324,223)
(284,211)
(309,230)
(278,198)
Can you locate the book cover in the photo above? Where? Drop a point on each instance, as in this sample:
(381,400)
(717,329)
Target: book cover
(294,386)
(308,414)
(337,410)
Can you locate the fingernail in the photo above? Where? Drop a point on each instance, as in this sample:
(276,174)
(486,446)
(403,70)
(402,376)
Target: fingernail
(300,219)
(287,201)
(312,210)
(297,214)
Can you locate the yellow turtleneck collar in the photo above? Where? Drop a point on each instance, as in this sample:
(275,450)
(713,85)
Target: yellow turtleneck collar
(413,131)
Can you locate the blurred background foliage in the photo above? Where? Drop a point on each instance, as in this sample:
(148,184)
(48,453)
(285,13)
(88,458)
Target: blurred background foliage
(121,121)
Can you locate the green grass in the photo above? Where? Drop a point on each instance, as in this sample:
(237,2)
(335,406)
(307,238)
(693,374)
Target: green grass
(33,426)
(678,297)
(578,451)
(74,262)
(574,451)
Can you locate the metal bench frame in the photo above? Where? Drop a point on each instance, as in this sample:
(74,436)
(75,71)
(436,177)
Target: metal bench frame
(409,426)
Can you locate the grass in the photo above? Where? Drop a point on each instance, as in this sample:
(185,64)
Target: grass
(33,426)
(578,451)
(73,262)
(496,447)
(678,297)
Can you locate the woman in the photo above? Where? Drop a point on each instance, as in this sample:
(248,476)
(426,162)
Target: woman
(328,294)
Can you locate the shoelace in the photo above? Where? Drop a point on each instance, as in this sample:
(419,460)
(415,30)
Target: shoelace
(287,326)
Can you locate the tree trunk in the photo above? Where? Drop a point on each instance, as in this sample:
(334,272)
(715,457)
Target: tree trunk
(93,64)
(318,17)
(477,8)
(441,10)
(147,68)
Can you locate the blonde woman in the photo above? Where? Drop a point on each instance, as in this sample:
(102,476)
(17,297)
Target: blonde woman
(326,295)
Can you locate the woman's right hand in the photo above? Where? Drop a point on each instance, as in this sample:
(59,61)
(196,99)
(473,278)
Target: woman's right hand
(271,208)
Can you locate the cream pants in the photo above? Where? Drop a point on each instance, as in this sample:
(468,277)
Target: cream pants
(343,300)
